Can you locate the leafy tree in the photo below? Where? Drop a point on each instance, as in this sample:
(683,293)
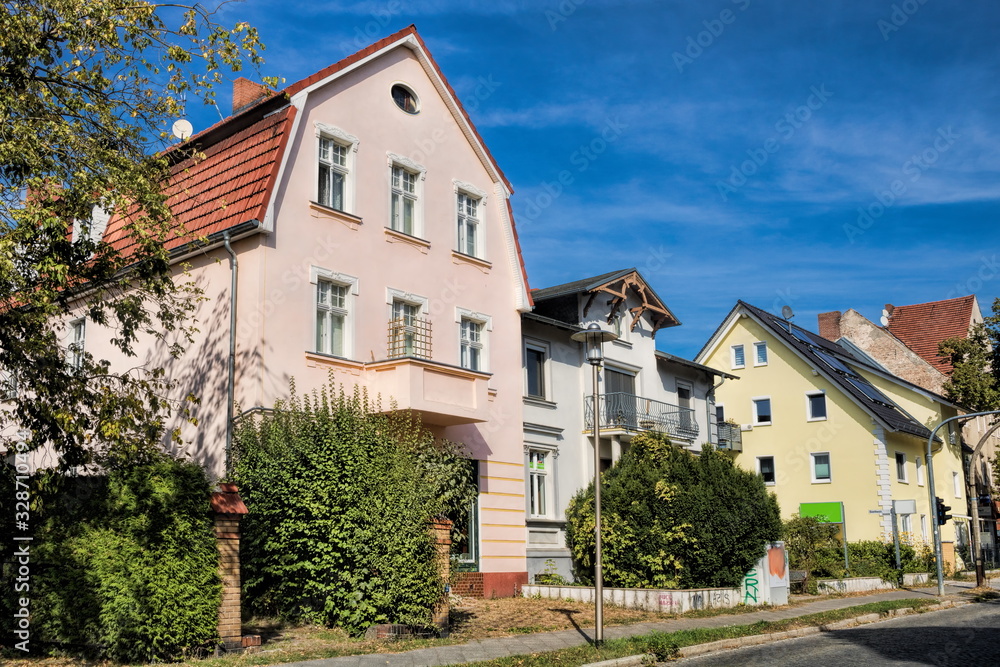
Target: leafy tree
(673,520)
(975,380)
(87,89)
(340,499)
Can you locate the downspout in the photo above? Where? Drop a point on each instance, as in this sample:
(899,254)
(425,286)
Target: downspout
(231,383)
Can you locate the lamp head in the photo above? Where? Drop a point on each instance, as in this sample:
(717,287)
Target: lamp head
(594,338)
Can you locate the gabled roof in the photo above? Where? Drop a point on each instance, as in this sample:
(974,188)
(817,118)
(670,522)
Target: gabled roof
(618,285)
(923,326)
(837,365)
(672,358)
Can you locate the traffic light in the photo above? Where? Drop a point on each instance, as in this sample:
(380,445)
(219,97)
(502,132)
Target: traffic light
(942,512)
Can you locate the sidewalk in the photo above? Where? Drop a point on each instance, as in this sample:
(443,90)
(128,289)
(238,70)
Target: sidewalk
(488,649)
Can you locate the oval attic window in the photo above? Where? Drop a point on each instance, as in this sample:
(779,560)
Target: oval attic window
(404,99)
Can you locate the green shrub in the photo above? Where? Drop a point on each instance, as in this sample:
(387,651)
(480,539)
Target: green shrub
(125,567)
(340,497)
(673,520)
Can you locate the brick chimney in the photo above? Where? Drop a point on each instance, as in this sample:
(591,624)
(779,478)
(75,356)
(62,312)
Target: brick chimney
(829,325)
(246,93)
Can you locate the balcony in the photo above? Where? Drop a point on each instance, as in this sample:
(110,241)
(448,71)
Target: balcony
(730,437)
(444,395)
(628,412)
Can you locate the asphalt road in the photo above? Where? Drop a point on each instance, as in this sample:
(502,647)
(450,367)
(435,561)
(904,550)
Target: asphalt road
(968,636)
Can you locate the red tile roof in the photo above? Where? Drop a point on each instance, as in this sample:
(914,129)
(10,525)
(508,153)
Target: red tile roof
(923,326)
(230,185)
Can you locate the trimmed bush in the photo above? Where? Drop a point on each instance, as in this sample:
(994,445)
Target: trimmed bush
(671,519)
(340,499)
(125,567)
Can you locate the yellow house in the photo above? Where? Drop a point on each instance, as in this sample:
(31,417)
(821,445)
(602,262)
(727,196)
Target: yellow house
(824,425)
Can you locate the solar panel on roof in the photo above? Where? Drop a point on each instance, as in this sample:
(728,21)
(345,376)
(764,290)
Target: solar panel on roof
(833,362)
(869,391)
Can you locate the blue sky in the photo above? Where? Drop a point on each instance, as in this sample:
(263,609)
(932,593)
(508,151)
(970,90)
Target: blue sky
(824,156)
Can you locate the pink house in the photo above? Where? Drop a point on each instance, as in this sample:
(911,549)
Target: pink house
(372,242)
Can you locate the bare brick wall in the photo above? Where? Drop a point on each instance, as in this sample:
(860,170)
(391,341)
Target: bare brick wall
(442,537)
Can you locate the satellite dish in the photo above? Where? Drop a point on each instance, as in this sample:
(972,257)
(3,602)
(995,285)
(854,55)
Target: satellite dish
(885,313)
(884,320)
(182,129)
(786,312)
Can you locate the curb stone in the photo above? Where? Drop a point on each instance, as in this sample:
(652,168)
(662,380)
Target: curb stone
(627,661)
(755,640)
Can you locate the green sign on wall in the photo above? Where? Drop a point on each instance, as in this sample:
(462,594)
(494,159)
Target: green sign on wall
(825,512)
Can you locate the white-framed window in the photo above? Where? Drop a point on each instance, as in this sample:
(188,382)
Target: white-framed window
(905,523)
(820,468)
(333,305)
(720,413)
(335,150)
(815,406)
(470,231)
(685,397)
(8,386)
(404,333)
(76,343)
(403,217)
(737,356)
(332,188)
(919,462)
(331,317)
(901,475)
(760,353)
(923,527)
(765,468)
(539,467)
(536,357)
(472,344)
(956,481)
(762,410)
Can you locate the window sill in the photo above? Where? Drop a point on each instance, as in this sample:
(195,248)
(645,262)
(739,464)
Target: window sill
(902,481)
(622,343)
(770,484)
(392,236)
(539,402)
(759,365)
(461,258)
(816,419)
(736,368)
(756,424)
(822,481)
(350,221)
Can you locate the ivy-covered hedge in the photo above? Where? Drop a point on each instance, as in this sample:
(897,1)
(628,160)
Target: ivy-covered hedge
(340,498)
(125,566)
(671,519)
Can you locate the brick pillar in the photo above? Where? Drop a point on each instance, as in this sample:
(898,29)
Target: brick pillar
(442,537)
(229,510)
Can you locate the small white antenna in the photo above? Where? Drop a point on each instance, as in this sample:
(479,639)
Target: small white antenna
(182,129)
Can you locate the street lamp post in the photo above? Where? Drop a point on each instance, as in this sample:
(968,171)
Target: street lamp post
(931,492)
(594,338)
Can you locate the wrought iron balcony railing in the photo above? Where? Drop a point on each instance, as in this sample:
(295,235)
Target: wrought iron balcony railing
(730,436)
(636,413)
(409,337)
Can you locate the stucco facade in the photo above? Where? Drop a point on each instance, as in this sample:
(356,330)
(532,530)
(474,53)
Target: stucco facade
(642,389)
(407,281)
(817,442)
